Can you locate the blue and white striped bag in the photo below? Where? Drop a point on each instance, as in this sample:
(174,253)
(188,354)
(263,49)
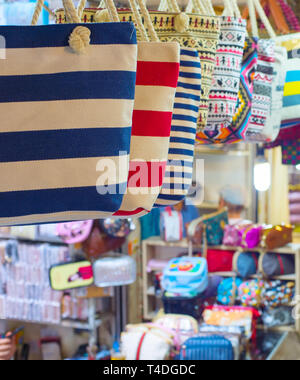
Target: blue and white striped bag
(66,121)
(179,171)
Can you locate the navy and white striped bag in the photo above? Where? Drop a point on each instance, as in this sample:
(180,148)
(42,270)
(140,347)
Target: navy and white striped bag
(66,121)
(179,171)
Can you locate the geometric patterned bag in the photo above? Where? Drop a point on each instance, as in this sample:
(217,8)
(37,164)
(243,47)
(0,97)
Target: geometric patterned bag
(263,81)
(57,121)
(226,79)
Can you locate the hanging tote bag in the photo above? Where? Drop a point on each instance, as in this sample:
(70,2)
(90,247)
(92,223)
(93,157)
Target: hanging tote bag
(157,77)
(179,171)
(291,100)
(195,31)
(264,77)
(68,103)
(223,95)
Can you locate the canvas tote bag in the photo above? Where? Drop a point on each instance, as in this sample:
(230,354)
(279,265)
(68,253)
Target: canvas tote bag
(68,103)
(195,31)
(223,95)
(157,77)
(264,77)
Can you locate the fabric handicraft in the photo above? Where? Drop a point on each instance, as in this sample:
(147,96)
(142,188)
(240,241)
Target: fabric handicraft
(226,81)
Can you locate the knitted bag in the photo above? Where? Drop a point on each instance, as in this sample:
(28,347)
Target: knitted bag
(66,113)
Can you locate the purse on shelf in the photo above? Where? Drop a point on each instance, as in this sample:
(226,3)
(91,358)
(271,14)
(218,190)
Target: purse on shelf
(114,270)
(157,77)
(245,264)
(242,235)
(224,91)
(275,264)
(171,225)
(71,106)
(276,237)
(74,232)
(219,260)
(207,230)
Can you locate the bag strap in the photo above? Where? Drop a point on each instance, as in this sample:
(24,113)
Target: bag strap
(68,6)
(278,17)
(138,352)
(148,21)
(254,5)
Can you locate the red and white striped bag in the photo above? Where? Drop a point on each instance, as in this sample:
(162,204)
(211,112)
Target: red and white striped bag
(156,82)
(157,77)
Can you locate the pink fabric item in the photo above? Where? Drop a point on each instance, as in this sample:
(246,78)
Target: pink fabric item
(295,209)
(294,197)
(246,236)
(295,219)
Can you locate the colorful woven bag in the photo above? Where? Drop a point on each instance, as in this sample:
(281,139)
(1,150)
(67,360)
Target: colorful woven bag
(291,100)
(157,77)
(264,77)
(241,119)
(223,95)
(65,114)
(179,171)
(198,32)
(291,152)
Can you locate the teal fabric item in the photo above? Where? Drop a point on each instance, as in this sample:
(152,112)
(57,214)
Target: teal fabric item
(150,224)
(225,290)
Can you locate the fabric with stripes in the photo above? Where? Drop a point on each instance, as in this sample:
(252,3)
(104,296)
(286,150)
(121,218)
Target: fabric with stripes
(226,81)
(291,99)
(157,77)
(66,125)
(179,171)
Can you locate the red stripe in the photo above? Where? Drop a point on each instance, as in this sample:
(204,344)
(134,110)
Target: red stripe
(138,353)
(157,74)
(129,213)
(281,264)
(151,123)
(146,174)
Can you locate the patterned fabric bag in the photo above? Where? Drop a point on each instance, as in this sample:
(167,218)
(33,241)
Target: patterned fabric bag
(223,95)
(157,77)
(195,31)
(179,171)
(65,113)
(264,77)
(291,152)
(291,101)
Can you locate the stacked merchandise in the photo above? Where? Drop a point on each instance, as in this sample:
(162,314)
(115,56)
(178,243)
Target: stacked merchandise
(25,289)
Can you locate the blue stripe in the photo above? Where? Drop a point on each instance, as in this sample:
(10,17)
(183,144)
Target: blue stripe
(190,75)
(178,175)
(181,152)
(58,35)
(176,128)
(62,86)
(185,118)
(189,86)
(189,53)
(59,144)
(187,96)
(293,76)
(186,107)
(190,64)
(176,186)
(170,198)
(290,101)
(181,163)
(181,140)
(22,203)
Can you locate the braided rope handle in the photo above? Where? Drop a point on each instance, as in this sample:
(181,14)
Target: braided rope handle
(148,21)
(81,7)
(263,17)
(69,8)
